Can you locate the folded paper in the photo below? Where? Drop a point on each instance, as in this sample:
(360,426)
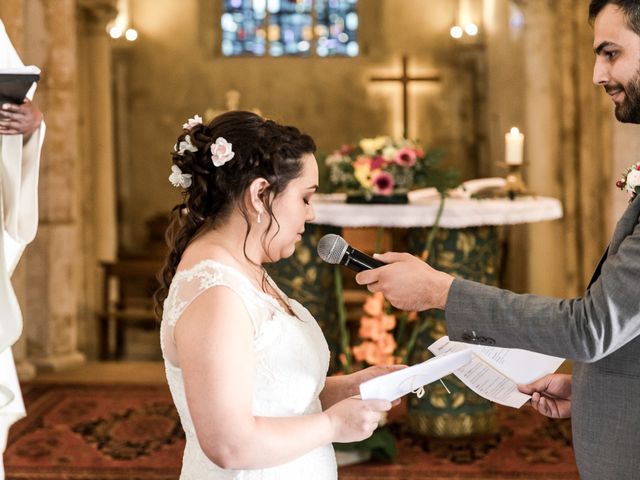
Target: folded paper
(397,384)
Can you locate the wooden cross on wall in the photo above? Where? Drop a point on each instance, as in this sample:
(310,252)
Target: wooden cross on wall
(405,79)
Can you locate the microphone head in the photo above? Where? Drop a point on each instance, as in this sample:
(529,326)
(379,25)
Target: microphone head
(331,248)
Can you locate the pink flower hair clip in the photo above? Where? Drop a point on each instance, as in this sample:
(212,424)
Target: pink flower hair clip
(192,122)
(221,152)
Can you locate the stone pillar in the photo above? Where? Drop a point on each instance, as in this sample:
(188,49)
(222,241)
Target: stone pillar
(546,260)
(97,189)
(54,257)
(505,65)
(568,146)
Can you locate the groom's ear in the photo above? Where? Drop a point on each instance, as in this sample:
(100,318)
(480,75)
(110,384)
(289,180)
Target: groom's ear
(256,193)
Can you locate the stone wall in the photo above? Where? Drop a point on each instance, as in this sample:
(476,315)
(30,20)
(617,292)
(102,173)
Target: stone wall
(175,70)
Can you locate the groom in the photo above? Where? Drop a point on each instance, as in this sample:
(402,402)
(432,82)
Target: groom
(599,330)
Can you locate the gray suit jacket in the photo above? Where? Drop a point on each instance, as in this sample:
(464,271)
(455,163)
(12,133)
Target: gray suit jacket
(599,331)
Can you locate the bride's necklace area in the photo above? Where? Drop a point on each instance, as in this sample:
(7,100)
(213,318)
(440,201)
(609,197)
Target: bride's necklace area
(259,277)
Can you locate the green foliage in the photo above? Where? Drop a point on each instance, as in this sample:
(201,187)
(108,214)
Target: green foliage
(382,444)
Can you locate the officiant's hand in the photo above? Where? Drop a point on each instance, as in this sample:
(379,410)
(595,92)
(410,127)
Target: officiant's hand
(551,395)
(20,119)
(407,282)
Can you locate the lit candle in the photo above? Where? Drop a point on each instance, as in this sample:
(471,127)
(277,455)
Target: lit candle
(513,146)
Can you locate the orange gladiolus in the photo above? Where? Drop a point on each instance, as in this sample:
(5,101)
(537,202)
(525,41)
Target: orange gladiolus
(374,304)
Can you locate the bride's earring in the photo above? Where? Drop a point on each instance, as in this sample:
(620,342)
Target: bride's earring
(259,219)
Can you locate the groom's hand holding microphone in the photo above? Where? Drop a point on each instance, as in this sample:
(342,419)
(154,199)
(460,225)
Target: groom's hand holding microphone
(406,281)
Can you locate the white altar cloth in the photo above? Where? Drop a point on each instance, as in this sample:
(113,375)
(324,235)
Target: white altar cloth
(331,209)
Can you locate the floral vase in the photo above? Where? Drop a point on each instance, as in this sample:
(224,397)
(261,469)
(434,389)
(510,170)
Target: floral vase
(393,199)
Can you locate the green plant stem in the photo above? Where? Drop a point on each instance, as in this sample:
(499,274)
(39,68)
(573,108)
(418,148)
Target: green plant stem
(379,234)
(421,326)
(434,228)
(345,341)
(402,325)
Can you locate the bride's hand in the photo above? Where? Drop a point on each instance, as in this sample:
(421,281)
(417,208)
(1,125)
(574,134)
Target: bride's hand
(354,419)
(362,376)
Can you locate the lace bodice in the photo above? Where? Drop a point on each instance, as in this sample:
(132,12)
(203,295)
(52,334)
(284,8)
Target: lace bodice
(292,358)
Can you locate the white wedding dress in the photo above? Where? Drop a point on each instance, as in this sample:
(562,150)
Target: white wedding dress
(292,358)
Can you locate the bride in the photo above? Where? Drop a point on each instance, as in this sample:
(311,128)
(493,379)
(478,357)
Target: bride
(245,364)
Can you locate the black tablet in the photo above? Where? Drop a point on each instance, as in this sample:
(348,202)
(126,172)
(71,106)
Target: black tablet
(14,86)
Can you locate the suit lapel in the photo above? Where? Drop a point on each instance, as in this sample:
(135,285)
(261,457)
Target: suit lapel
(624,227)
(596,272)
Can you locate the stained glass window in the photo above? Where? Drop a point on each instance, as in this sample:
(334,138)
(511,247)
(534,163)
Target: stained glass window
(289,27)
(336,28)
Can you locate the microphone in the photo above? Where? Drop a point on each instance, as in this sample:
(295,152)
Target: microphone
(334,249)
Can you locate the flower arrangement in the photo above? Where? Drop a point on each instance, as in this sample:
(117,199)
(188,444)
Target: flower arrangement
(630,181)
(385,167)
(387,336)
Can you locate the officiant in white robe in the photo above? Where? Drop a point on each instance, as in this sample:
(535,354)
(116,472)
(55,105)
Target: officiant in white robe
(21,136)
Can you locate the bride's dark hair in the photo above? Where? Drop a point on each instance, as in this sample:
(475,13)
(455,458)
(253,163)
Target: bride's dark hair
(262,149)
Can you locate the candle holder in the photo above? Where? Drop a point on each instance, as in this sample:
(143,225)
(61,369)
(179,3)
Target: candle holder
(515,185)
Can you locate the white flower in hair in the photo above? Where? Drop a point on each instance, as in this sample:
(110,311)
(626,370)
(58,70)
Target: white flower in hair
(192,122)
(179,179)
(185,145)
(221,152)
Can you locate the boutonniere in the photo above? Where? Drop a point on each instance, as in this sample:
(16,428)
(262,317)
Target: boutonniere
(630,181)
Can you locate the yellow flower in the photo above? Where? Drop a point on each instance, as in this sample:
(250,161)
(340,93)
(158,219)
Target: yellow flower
(362,173)
(371,145)
(312,275)
(304,254)
(297,283)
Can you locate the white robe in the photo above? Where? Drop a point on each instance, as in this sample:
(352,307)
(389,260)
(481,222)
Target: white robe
(19,166)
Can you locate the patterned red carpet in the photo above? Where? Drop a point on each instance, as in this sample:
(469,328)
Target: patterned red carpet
(96,432)
(527,446)
(89,432)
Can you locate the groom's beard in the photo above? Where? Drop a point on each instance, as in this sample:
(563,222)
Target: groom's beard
(629,110)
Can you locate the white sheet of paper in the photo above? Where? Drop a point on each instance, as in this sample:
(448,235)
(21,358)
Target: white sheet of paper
(521,366)
(396,384)
(489,383)
(494,372)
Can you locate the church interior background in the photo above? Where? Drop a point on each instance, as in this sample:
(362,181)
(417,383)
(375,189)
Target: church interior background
(114,108)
